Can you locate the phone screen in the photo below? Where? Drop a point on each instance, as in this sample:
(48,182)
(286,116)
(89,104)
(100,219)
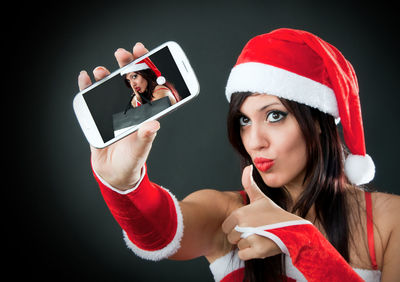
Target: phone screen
(124,101)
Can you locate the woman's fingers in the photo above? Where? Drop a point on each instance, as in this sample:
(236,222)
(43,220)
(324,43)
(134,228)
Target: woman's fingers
(139,50)
(257,247)
(83,80)
(123,57)
(233,236)
(100,73)
(243,244)
(245,254)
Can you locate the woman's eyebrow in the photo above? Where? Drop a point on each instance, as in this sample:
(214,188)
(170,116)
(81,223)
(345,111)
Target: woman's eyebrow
(266,106)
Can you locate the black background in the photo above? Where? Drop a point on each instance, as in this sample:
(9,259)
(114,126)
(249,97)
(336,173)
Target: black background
(57,226)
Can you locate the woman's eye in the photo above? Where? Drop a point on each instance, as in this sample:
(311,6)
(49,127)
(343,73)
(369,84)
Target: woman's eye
(244,121)
(132,76)
(275,116)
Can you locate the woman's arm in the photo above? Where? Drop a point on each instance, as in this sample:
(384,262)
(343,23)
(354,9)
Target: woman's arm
(157,226)
(203,214)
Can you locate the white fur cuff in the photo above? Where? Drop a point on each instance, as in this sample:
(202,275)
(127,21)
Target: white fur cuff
(168,250)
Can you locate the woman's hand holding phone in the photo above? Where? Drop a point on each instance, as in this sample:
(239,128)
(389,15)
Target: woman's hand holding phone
(120,164)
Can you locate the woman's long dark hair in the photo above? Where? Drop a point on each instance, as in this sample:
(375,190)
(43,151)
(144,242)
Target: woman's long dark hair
(325,182)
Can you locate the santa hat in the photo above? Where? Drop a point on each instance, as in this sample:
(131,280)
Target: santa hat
(146,63)
(299,66)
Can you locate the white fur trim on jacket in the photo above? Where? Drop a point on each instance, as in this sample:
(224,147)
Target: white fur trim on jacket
(168,250)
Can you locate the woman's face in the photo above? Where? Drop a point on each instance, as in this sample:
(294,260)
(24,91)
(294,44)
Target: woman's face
(137,82)
(272,138)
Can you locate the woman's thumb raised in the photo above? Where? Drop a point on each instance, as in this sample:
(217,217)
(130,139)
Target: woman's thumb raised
(251,188)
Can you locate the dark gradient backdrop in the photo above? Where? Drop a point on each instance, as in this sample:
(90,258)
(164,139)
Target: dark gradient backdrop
(60,227)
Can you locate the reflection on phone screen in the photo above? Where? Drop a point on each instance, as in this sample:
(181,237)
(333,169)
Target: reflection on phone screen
(143,90)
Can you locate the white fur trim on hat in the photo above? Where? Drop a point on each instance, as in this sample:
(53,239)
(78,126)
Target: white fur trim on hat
(134,67)
(359,169)
(169,249)
(263,78)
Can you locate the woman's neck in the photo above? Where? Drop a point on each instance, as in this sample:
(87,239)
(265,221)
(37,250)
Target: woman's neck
(295,189)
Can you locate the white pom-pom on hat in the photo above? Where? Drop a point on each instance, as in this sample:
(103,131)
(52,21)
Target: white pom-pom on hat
(359,169)
(161,80)
(301,67)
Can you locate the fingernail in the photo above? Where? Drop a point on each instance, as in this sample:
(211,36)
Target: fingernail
(99,68)
(119,50)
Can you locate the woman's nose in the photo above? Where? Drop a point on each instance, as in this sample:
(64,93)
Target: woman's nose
(257,138)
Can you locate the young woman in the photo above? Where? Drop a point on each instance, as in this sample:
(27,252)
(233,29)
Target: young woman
(305,215)
(145,88)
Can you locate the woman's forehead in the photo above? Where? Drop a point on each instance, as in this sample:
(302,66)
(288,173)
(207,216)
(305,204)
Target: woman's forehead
(258,100)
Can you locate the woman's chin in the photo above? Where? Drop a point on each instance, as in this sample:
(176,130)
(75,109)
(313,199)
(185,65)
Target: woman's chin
(272,181)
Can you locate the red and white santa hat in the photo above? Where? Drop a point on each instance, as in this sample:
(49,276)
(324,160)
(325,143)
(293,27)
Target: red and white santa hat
(146,63)
(299,66)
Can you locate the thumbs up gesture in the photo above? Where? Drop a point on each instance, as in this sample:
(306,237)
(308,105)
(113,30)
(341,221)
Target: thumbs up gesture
(261,211)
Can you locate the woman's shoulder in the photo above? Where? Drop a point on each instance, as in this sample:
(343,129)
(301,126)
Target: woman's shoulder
(369,211)
(383,204)
(385,200)
(161,91)
(161,88)
(386,209)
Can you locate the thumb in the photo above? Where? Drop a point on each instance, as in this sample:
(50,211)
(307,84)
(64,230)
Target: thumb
(145,137)
(250,186)
(148,130)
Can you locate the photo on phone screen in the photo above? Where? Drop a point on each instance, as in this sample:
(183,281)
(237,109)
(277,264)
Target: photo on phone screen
(141,90)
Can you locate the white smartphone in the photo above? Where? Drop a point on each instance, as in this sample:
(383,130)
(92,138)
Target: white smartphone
(117,105)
